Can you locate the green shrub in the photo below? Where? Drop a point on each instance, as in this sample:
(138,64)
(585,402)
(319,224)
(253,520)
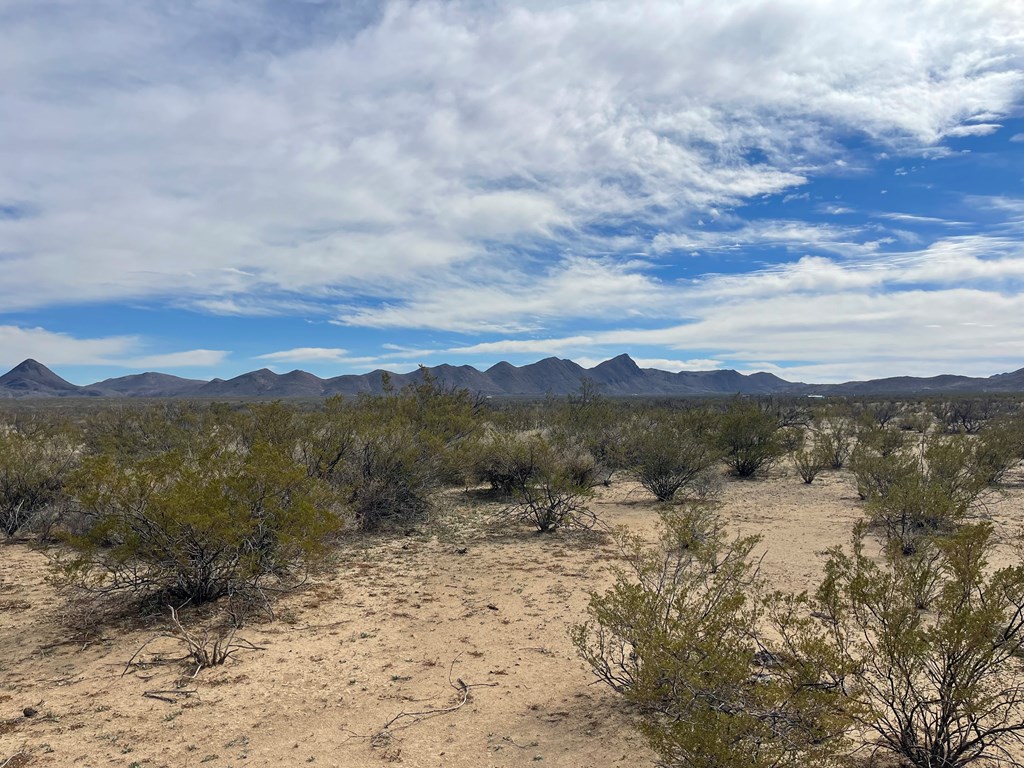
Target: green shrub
(809,461)
(882,413)
(914,509)
(134,431)
(555,493)
(392,478)
(404,447)
(915,422)
(880,440)
(194,525)
(596,423)
(834,440)
(749,439)
(952,464)
(937,687)
(999,447)
(671,451)
(505,460)
(33,467)
(681,634)
(327,440)
(876,473)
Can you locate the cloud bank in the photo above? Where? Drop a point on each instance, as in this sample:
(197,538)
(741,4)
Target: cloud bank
(529,176)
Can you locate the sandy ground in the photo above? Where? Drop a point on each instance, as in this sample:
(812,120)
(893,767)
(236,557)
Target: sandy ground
(378,636)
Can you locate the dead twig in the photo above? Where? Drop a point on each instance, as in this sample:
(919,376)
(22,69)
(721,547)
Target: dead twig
(169,695)
(84,642)
(459,685)
(204,651)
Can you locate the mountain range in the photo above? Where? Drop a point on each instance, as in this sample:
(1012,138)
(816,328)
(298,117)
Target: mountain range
(620,376)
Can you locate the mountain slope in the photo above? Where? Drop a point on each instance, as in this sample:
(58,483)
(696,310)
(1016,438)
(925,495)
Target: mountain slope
(620,376)
(148,385)
(33,379)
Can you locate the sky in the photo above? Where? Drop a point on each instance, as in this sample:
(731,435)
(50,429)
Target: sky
(824,190)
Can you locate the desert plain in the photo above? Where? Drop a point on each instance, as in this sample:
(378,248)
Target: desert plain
(443,645)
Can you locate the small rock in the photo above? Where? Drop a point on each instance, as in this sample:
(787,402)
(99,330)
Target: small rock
(492,606)
(30,711)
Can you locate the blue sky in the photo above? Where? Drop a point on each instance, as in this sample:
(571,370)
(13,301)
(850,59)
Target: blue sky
(826,191)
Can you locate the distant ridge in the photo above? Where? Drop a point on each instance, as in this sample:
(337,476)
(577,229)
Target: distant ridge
(33,379)
(620,376)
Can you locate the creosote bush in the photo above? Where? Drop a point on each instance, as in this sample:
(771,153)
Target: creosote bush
(875,472)
(937,682)
(917,492)
(195,525)
(407,445)
(594,422)
(506,460)
(35,460)
(749,438)
(672,451)
(555,493)
(392,477)
(809,461)
(681,634)
(834,438)
(883,441)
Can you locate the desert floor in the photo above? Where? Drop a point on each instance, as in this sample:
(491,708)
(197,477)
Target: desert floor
(380,635)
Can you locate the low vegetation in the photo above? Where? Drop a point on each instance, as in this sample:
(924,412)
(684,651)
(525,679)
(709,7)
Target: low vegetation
(940,684)
(914,650)
(681,634)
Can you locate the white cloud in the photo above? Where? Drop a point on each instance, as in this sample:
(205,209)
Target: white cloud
(50,348)
(794,235)
(848,335)
(193,358)
(17,344)
(525,346)
(862,318)
(979,129)
(660,364)
(630,291)
(916,219)
(282,150)
(508,301)
(307,355)
(861,370)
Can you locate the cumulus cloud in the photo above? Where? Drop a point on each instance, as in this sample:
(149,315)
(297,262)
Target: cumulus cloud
(847,335)
(950,307)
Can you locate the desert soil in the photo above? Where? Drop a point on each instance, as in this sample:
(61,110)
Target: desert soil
(390,630)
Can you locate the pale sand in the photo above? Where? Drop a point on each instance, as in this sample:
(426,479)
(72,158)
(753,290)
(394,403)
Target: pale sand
(377,637)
